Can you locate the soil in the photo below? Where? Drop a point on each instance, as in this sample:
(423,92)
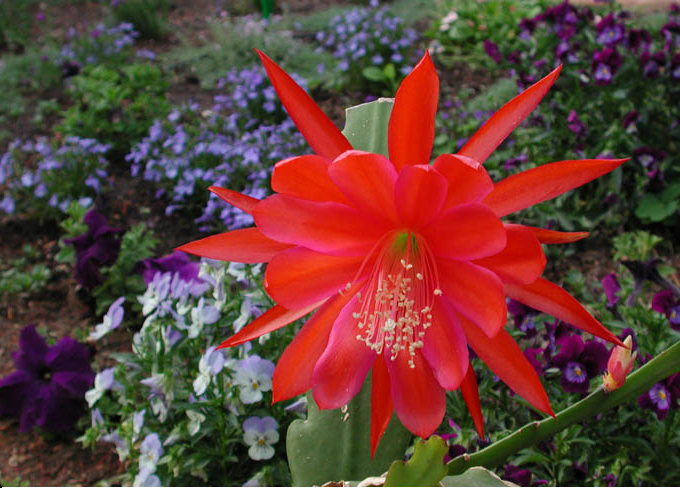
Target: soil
(60,309)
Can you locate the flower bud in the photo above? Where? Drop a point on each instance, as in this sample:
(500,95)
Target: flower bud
(620,364)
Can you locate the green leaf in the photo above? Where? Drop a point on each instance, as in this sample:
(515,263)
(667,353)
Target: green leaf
(425,468)
(476,476)
(389,71)
(333,445)
(366,126)
(653,208)
(373,73)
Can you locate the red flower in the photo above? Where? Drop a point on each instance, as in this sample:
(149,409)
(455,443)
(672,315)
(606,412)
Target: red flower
(404,263)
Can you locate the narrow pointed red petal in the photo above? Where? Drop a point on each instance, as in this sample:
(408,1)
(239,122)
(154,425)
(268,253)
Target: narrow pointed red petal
(419,195)
(306,177)
(293,373)
(468,180)
(546,236)
(238,200)
(471,397)
(381,402)
(367,180)
(419,400)
(539,184)
(466,232)
(411,127)
(320,133)
(507,118)
(273,319)
(344,364)
(505,358)
(522,261)
(325,227)
(549,298)
(241,246)
(474,292)
(298,276)
(445,348)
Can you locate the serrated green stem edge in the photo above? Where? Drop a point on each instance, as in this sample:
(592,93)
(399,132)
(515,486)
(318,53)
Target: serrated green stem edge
(662,366)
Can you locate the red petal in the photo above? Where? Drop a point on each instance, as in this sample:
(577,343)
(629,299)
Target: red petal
(298,276)
(306,177)
(504,357)
(241,246)
(546,236)
(475,292)
(344,364)
(522,261)
(549,298)
(468,180)
(419,400)
(506,119)
(445,348)
(539,184)
(273,319)
(466,232)
(411,128)
(293,374)
(322,136)
(381,402)
(367,180)
(326,227)
(238,200)
(471,396)
(419,194)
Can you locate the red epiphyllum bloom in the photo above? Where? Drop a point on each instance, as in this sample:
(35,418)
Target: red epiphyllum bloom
(404,263)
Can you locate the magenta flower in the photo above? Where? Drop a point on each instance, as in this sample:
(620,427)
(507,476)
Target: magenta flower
(579,362)
(611,287)
(48,387)
(667,303)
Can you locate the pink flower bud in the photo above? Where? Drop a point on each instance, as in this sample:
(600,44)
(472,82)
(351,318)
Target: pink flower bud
(620,364)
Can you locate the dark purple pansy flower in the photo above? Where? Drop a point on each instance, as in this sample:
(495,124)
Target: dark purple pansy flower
(575,125)
(527,27)
(652,63)
(662,397)
(667,303)
(671,34)
(98,247)
(523,317)
(532,354)
(611,479)
(675,67)
(650,158)
(515,162)
(611,286)
(521,477)
(492,51)
(609,32)
(49,384)
(630,119)
(579,362)
(605,65)
(177,262)
(638,38)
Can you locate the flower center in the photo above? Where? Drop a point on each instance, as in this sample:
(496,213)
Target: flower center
(396,308)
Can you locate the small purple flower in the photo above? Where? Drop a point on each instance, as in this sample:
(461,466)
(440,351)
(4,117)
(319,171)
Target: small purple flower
(150,452)
(579,362)
(492,51)
(112,320)
(611,479)
(177,262)
(48,387)
(630,119)
(666,303)
(253,376)
(652,63)
(575,125)
(609,32)
(649,158)
(662,397)
(638,38)
(605,65)
(98,247)
(259,433)
(515,162)
(675,67)
(521,477)
(611,286)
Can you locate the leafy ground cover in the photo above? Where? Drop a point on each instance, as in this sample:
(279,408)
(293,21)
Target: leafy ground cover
(97,116)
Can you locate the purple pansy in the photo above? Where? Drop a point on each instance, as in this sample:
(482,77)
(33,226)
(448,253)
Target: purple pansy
(667,303)
(650,158)
(605,65)
(630,119)
(177,262)
(611,287)
(609,32)
(492,51)
(521,477)
(579,362)
(575,125)
(675,67)
(638,38)
(259,433)
(662,397)
(48,387)
(652,63)
(253,376)
(98,247)
(522,317)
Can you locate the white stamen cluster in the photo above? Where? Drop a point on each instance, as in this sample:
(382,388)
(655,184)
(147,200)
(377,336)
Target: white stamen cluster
(397,308)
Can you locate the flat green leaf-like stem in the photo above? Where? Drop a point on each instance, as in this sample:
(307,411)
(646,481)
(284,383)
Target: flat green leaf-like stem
(662,366)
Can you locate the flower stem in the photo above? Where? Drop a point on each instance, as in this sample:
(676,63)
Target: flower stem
(662,366)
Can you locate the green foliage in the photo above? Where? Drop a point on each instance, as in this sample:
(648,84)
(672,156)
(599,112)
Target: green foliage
(24,274)
(635,246)
(116,106)
(149,17)
(120,279)
(425,468)
(72,225)
(476,476)
(15,24)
